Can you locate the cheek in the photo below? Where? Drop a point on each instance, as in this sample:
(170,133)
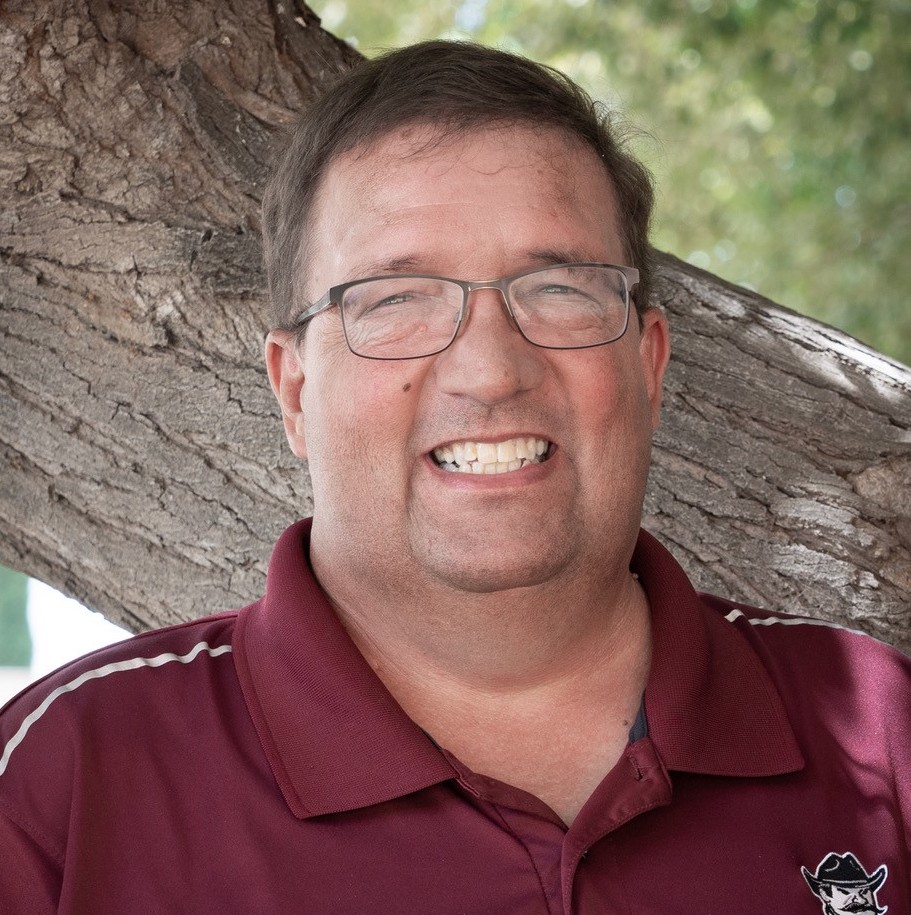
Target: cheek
(613,393)
(618,419)
(360,419)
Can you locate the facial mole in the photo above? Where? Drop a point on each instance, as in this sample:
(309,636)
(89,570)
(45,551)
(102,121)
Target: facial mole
(406,386)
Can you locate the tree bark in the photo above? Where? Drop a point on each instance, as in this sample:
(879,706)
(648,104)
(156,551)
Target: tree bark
(145,468)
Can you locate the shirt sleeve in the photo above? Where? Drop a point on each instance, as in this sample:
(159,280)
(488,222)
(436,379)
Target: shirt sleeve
(29,877)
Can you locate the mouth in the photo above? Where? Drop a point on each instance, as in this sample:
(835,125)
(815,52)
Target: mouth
(491,457)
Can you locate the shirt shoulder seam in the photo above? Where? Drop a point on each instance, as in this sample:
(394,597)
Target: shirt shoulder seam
(36,835)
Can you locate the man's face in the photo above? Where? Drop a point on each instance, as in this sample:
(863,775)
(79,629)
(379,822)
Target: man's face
(477,207)
(849,902)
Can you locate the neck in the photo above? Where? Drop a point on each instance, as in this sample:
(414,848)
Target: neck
(495,641)
(537,687)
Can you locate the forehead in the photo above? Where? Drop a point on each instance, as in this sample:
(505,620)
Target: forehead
(484,155)
(416,199)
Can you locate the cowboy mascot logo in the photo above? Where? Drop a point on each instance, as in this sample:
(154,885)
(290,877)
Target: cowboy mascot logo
(844,888)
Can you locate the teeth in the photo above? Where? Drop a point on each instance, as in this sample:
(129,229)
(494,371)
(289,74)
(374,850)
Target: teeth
(487,453)
(506,451)
(487,457)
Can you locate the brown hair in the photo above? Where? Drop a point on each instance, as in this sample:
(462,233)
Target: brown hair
(454,86)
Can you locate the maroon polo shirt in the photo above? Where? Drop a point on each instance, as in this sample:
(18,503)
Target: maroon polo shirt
(253,761)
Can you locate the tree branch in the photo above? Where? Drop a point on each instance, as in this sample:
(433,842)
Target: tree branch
(145,468)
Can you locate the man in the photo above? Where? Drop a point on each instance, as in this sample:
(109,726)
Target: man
(473,685)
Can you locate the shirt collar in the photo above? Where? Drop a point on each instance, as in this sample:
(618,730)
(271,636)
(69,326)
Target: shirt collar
(710,704)
(337,740)
(333,734)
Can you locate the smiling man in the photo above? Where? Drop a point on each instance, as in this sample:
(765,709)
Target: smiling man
(473,685)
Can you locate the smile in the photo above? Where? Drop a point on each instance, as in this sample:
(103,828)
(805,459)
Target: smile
(489,457)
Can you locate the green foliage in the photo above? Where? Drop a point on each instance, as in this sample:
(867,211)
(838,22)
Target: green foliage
(15,641)
(783,126)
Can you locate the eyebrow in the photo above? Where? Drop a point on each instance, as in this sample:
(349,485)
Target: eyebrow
(545,256)
(406,264)
(414,264)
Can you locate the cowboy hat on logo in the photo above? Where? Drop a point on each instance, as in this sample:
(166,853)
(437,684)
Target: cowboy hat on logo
(844,871)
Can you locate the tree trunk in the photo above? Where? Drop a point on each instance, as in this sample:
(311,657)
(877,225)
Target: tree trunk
(145,468)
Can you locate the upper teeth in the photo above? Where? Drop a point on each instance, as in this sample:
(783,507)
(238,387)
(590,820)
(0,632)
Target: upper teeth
(491,457)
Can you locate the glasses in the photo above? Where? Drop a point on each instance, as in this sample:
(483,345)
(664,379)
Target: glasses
(407,316)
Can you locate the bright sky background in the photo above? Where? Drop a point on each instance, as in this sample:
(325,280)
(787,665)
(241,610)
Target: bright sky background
(62,629)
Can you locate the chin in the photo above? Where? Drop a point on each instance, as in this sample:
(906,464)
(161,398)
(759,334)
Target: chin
(489,574)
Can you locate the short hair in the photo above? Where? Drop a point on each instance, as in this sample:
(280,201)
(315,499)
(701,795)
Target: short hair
(453,87)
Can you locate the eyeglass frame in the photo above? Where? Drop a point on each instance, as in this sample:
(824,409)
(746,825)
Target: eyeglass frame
(333,296)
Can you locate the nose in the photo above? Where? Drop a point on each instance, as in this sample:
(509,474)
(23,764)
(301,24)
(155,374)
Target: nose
(489,361)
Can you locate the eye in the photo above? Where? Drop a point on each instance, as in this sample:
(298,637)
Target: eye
(556,289)
(376,299)
(396,298)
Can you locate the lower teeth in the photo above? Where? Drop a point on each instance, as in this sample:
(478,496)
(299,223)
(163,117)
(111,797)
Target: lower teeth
(476,468)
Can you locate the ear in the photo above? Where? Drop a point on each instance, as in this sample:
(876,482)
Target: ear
(654,353)
(286,375)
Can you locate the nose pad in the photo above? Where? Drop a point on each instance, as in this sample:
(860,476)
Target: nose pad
(463,319)
(509,315)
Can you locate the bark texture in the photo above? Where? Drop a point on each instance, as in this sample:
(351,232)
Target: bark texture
(144,467)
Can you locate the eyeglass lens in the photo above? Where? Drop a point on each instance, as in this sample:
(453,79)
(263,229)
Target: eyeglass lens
(571,306)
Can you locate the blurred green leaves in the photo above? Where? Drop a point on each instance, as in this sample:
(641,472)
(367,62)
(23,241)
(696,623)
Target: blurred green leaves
(15,641)
(779,130)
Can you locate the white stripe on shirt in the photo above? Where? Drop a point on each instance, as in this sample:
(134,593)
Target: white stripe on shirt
(106,670)
(791,621)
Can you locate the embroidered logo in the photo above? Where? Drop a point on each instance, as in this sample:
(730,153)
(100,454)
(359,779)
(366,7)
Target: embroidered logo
(843,886)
